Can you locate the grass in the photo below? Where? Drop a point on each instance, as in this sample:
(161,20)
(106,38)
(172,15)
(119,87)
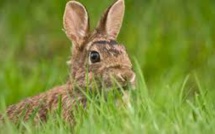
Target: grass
(172,42)
(167,111)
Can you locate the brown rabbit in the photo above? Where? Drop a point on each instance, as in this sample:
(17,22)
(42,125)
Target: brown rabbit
(95,55)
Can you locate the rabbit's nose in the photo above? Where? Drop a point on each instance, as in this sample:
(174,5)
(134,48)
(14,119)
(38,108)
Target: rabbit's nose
(128,77)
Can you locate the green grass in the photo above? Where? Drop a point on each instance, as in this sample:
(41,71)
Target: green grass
(174,47)
(170,110)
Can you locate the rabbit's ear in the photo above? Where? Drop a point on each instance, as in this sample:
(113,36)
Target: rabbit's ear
(75,21)
(111,22)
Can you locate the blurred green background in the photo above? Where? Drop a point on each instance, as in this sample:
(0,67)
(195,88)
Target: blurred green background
(170,39)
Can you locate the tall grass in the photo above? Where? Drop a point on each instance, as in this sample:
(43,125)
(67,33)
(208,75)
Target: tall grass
(167,111)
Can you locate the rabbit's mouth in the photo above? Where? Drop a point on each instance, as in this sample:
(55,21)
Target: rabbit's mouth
(119,83)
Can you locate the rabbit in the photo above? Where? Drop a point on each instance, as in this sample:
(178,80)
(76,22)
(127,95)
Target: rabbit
(95,55)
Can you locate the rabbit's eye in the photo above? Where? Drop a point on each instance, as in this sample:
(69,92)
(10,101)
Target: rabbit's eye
(94,57)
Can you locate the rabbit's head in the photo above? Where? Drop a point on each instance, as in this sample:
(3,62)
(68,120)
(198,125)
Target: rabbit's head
(96,56)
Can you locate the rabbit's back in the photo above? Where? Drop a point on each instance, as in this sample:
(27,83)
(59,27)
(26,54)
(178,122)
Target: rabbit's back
(38,107)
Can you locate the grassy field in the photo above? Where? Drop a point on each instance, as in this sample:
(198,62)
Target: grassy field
(172,46)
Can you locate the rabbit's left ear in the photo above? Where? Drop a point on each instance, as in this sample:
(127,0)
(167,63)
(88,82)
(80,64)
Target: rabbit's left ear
(112,20)
(76,22)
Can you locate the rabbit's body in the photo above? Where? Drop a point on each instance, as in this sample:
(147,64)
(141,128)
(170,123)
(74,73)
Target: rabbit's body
(38,107)
(95,55)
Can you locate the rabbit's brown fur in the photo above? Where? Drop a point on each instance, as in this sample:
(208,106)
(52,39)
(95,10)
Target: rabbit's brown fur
(113,63)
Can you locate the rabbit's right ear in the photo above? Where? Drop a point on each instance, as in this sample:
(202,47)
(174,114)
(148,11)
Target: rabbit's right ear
(75,21)
(111,22)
